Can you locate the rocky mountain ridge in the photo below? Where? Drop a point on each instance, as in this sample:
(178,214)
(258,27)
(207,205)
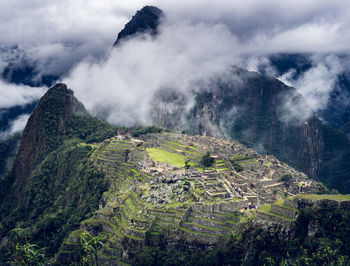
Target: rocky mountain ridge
(145,20)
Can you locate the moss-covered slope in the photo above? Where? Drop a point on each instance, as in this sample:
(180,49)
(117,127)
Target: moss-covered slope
(53,185)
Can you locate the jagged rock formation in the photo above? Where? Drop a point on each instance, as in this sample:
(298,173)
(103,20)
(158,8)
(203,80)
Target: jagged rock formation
(145,20)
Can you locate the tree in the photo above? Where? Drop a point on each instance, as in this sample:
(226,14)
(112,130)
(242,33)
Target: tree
(187,164)
(24,253)
(207,160)
(89,245)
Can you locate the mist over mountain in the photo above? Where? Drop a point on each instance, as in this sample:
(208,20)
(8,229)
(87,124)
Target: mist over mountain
(74,40)
(328,94)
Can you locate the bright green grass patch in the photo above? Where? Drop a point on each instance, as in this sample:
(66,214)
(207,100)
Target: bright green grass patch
(146,189)
(338,197)
(194,152)
(241,157)
(231,221)
(92,145)
(223,169)
(193,148)
(248,162)
(137,173)
(236,199)
(166,156)
(142,179)
(148,176)
(265,208)
(243,220)
(280,202)
(132,205)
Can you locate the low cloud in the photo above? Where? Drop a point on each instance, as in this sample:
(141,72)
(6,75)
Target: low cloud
(180,58)
(315,85)
(200,39)
(12,95)
(16,126)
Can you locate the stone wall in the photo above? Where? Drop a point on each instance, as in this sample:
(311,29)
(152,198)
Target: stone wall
(222,207)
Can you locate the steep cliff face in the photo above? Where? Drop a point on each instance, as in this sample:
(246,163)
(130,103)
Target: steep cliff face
(145,20)
(312,147)
(43,131)
(8,150)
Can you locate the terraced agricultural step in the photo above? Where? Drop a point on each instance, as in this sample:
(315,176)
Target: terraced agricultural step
(202,228)
(109,250)
(163,221)
(284,211)
(134,232)
(107,225)
(273,218)
(197,236)
(224,227)
(132,205)
(166,214)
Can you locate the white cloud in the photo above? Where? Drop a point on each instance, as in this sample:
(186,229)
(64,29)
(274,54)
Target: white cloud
(19,124)
(181,56)
(316,84)
(11,94)
(201,38)
(60,33)
(16,125)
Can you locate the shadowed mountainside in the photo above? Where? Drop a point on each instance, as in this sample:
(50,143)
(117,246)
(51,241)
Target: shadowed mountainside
(145,20)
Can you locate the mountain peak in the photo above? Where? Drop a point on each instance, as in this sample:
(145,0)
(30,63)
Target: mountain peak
(145,20)
(44,127)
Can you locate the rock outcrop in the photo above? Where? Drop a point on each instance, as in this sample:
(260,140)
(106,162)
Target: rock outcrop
(146,20)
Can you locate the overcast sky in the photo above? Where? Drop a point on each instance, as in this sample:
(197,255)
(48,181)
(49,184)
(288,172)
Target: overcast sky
(305,25)
(200,38)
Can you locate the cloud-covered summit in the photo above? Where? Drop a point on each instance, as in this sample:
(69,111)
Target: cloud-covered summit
(199,39)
